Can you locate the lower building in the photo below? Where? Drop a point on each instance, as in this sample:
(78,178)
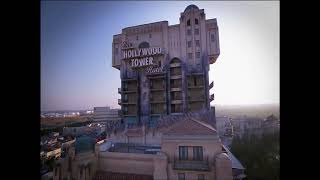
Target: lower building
(176,147)
(104,114)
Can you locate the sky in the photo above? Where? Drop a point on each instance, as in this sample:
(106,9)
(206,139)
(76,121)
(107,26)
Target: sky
(76,45)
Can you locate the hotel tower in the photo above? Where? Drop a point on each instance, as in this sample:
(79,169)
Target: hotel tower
(164,68)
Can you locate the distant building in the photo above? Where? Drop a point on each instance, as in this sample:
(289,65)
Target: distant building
(271,124)
(71,114)
(247,125)
(225,129)
(224,126)
(103,114)
(256,126)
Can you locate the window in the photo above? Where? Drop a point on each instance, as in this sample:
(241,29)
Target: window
(198,43)
(189,43)
(196,21)
(144,45)
(189,32)
(212,37)
(188,22)
(199,66)
(200,177)
(125,86)
(196,31)
(197,54)
(117,51)
(183,152)
(197,153)
(181,176)
(150,35)
(137,37)
(189,55)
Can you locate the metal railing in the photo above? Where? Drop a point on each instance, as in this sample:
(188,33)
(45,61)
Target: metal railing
(191,165)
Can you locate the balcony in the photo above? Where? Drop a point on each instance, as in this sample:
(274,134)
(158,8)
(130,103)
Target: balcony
(211,97)
(158,101)
(176,101)
(119,90)
(177,64)
(213,58)
(119,101)
(176,77)
(200,86)
(156,77)
(191,165)
(211,85)
(196,98)
(128,90)
(175,88)
(157,89)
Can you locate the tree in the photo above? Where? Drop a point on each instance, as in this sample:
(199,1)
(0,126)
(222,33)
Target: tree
(259,155)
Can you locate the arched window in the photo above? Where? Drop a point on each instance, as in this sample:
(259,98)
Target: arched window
(196,21)
(188,22)
(144,45)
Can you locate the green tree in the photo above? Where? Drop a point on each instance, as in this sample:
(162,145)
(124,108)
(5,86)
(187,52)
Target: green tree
(259,155)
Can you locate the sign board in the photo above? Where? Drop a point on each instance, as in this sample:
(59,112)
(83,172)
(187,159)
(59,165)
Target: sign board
(141,57)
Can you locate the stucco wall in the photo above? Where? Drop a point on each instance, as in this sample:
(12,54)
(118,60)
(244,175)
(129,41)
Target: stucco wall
(130,162)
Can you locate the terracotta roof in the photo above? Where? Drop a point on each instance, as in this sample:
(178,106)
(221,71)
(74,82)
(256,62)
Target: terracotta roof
(190,127)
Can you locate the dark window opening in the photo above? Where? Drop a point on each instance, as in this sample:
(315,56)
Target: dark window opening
(197,153)
(189,32)
(196,21)
(194,81)
(200,177)
(181,176)
(196,31)
(188,23)
(212,37)
(198,43)
(183,153)
(197,54)
(144,45)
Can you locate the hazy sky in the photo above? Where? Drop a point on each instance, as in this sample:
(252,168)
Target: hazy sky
(76,45)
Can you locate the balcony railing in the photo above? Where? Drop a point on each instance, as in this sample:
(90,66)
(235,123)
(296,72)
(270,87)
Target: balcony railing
(128,90)
(196,98)
(211,85)
(211,97)
(191,165)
